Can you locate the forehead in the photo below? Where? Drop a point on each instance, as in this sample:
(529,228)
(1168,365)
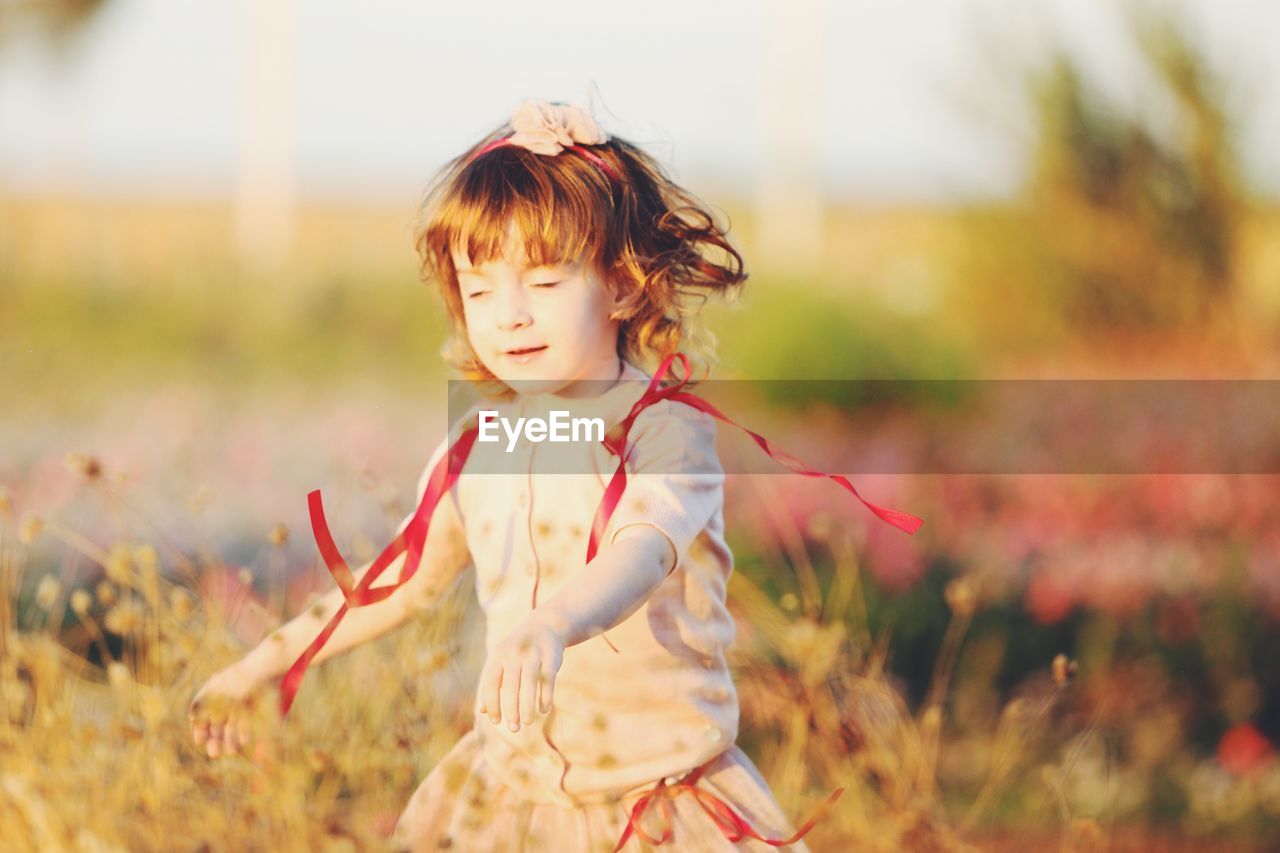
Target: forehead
(512,254)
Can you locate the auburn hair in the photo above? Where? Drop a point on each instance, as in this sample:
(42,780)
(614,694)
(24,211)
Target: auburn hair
(655,245)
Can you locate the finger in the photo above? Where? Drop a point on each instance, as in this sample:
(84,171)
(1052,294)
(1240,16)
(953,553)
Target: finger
(547,683)
(528,690)
(245,730)
(200,733)
(215,747)
(230,737)
(511,698)
(493,684)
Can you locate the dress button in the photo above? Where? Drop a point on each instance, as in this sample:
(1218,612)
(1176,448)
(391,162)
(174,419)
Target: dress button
(523,500)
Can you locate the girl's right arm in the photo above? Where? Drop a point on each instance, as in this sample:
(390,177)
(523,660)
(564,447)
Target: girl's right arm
(443,556)
(218,713)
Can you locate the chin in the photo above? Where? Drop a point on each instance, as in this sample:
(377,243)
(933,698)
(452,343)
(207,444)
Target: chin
(533,385)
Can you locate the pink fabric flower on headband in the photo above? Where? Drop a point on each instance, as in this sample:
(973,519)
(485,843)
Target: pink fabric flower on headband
(546,128)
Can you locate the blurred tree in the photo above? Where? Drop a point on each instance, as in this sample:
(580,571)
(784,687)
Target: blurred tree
(1126,225)
(58,21)
(1131,218)
(57,24)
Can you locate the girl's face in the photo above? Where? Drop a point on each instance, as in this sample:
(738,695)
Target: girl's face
(539,329)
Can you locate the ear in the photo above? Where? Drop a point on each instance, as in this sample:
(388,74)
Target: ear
(616,306)
(613,295)
(615,300)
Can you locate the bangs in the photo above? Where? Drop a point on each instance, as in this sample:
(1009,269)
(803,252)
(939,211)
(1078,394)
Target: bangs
(554,209)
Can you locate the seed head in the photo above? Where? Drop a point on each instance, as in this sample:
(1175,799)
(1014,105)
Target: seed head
(278,535)
(820,526)
(80,602)
(47,592)
(1063,669)
(30,529)
(180,603)
(106,593)
(119,566)
(960,597)
(123,619)
(85,465)
(146,558)
(117,674)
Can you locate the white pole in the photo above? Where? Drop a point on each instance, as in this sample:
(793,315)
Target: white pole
(265,200)
(790,215)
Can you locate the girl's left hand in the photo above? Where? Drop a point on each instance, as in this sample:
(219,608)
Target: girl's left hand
(520,671)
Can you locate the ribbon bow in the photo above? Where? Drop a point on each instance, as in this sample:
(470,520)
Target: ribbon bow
(732,825)
(412,539)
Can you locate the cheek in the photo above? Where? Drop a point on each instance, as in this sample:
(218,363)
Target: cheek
(474,327)
(473,319)
(592,314)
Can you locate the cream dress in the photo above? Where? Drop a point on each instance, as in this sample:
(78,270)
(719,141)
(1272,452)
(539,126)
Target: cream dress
(651,699)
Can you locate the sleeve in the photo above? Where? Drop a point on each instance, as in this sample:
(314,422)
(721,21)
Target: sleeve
(445,553)
(675,481)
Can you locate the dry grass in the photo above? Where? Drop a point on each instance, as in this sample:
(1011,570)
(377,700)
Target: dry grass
(95,681)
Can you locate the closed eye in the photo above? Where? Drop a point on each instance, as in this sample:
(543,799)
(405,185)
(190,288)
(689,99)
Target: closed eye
(545,283)
(476,294)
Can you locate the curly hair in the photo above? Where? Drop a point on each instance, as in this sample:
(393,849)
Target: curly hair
(657,247)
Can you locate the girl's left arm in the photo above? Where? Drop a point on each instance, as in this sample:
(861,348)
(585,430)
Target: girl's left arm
(622,577)
(521,669)
(676,488)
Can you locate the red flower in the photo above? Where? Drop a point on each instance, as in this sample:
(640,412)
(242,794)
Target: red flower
(1244,751)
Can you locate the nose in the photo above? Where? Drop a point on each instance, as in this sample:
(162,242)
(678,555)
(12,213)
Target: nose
(513,309)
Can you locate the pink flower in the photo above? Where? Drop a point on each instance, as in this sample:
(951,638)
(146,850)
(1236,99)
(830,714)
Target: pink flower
(546,128)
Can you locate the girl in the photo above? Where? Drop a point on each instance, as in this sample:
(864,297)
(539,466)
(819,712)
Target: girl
(566,261)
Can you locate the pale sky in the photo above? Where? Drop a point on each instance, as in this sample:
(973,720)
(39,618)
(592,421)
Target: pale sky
(149,98)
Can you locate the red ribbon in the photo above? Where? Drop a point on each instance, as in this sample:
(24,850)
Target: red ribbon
(412,539)
(409,542)
(731,824)
(616,442)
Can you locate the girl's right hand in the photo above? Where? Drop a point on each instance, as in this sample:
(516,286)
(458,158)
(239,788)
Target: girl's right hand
(221,710)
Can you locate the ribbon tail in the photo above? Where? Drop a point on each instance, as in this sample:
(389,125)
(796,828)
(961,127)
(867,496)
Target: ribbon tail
(608,503)
(293,678)
(735,827)
(899,519)
(413,539)
(808,824)
(328,550)
(411,542)
(632,822)
(902,520)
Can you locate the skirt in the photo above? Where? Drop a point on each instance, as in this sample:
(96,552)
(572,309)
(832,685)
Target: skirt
(462,805)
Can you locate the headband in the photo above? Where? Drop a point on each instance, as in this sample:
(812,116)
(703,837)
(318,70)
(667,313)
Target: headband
(546,128)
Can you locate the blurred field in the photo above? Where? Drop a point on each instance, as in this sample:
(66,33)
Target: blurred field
(1052,662)
(208,399)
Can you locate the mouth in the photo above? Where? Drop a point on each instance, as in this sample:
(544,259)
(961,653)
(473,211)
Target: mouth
(524,354)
